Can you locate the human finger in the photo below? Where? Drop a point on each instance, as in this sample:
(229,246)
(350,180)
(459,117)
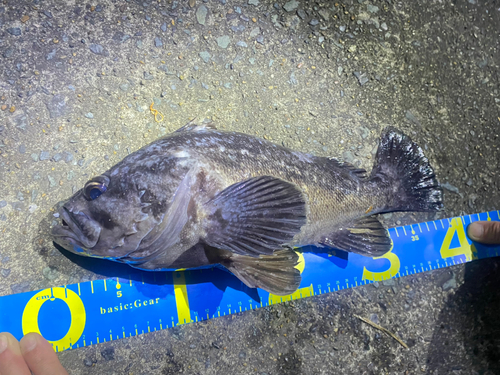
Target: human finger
(487,232)
(40,356)
(11,358)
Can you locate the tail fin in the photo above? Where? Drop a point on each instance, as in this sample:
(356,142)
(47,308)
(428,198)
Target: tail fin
(400,163)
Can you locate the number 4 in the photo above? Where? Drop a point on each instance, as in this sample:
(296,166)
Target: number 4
(464,249)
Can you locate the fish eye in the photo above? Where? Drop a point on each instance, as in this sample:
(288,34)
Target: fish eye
(95,188)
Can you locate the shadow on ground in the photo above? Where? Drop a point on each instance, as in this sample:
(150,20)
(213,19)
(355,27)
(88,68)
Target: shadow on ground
(472,311)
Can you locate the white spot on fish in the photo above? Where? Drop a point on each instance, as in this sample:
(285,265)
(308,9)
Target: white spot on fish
(222,148)
(305,158)
(244,152)
(181,154)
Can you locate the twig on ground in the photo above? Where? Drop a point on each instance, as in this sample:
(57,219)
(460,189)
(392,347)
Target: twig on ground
(387,332)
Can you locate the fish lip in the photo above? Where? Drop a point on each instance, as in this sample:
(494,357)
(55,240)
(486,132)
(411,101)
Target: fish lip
(73,232)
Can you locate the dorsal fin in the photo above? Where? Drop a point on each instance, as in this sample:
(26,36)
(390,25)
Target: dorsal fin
(358,172)
(191,126)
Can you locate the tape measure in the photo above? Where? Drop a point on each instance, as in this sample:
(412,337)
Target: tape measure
(92,312)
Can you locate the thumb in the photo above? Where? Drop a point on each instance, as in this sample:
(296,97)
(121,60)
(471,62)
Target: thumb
(487,232)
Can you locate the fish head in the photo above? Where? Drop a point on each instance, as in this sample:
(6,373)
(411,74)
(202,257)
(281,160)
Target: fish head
(108,217)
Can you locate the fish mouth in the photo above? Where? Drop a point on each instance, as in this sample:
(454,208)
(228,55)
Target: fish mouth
(77,232)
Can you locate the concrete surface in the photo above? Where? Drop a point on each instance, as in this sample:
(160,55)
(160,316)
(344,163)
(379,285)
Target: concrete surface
(76,83)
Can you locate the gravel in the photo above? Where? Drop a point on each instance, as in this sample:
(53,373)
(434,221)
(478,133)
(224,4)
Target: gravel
(98,49)
(201,14)
(57,106)
(16,31)
(223,42)
(291,5)
(362,78)
(205,56)
(44,155)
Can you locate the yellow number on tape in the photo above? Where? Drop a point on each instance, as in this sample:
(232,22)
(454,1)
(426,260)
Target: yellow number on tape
(76,308)
(456,226)
(384,275)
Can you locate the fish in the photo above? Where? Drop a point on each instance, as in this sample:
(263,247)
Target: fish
(201,197)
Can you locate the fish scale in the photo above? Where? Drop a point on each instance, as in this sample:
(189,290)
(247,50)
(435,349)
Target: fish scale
(88,313)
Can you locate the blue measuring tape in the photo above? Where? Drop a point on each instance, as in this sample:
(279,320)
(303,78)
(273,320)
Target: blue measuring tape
(92,312)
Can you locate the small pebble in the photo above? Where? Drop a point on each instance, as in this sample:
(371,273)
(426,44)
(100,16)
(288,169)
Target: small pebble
(21,287)
(57,106)
(291,5)
(57,157)
(98,49)
(108,353)
(16,31)
(52,181)
(50,273)
(205,56)
(255,32)
(201,14)
(5,272)
(223,41)
(302,14)
(124,86)
(362,78)
(44,155)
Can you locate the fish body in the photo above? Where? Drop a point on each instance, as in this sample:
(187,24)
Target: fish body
(201,196)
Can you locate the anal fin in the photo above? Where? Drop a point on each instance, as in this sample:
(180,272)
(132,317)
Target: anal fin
(366,236)
(275,273)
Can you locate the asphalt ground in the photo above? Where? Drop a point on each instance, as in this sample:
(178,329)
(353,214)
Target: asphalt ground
(76,84)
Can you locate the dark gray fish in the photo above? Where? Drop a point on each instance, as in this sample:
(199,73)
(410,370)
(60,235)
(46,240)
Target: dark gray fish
(201,196)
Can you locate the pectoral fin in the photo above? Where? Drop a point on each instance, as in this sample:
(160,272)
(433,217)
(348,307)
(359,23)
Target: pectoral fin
(366,236)
(275,273)
(256,216)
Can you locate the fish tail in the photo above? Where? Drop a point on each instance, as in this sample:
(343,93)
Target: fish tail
(400,165)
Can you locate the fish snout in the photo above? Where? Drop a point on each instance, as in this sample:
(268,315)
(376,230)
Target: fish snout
(76,231)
